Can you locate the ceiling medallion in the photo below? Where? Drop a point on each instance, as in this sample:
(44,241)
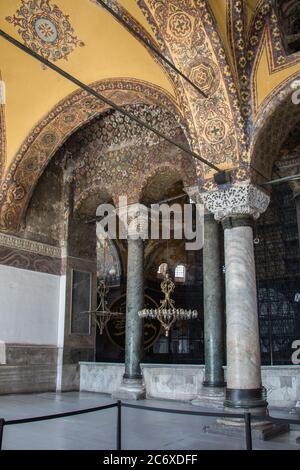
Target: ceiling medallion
(45,29)
(215,131)
(167,314)
(206,75)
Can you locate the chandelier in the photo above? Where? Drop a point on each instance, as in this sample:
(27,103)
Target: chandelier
(102,314)
(167,314)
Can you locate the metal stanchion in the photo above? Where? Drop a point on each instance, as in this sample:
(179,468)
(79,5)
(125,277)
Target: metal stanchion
(248,433)
(119,425)
(2,423)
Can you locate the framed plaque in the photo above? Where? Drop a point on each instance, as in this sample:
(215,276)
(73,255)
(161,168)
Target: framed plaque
(81,295)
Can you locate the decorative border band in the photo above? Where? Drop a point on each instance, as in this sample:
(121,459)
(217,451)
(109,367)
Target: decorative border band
(11,241)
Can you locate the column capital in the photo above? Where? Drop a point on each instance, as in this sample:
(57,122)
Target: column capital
(194,193)
(295,187)
(134,219)
(244,199)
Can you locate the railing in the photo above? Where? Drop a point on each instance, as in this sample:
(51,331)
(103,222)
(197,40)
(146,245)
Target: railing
(247,417)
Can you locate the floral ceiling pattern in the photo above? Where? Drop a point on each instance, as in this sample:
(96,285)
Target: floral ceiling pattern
(45,29)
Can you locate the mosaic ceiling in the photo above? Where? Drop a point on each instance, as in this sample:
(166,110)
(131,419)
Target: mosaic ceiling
(234,52)
(121,159)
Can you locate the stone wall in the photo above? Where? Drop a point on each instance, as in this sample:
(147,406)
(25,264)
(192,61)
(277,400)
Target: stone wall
(28,368)
(184,382)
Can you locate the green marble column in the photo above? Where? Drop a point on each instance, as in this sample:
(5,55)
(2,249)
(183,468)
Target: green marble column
(132,386)
(134,303)
(297,202)
(213,304)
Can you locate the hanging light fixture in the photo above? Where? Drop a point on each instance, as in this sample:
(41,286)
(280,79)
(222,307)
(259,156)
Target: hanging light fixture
(167,314)
(102,314)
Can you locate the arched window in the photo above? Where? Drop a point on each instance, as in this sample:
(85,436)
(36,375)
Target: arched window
(180,273)
(162,270)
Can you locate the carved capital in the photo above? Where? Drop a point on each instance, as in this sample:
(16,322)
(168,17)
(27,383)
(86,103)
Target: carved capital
(295,187)
(134,221)
(243,199)
(194,194)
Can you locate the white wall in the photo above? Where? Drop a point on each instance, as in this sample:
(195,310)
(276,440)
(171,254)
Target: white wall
(29,306)
(2,353)
(61,332)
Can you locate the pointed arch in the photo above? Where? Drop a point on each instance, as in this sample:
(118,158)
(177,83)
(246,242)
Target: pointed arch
(272,126)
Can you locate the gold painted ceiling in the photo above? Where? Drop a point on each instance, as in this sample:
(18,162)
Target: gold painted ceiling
(231,49)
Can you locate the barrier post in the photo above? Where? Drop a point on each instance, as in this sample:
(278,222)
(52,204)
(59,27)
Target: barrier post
(119,425)
(248,433)
(2,423)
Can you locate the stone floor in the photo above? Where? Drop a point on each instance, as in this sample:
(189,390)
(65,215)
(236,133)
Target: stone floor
(145,430)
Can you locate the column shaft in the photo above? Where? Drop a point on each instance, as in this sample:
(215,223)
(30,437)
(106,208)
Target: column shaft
(297,202)
(134,303)
(243,347)
(213,304)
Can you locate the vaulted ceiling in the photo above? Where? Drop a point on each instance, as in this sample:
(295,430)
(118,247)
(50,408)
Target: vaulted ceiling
(242,46)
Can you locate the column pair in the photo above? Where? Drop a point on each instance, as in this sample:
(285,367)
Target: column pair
(236,207)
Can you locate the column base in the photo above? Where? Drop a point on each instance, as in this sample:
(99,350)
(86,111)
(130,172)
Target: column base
(210,397)
(130,389)
(242,401)
(260,430)
(216,385)
(245,399)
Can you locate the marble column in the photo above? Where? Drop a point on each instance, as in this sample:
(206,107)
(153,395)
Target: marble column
(213,304)
(244,387)
(297,203)
(236,207)
(291,167)
(132,386)
(213,384)
(134,303)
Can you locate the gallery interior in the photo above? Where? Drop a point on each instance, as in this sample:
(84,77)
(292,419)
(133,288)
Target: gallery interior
(193,103)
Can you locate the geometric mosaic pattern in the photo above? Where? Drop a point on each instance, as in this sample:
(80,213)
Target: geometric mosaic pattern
(186,33)
(119,159)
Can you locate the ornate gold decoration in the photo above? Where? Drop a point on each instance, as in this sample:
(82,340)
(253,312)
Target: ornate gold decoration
(206,76)
(115,328)
(102,314)
(167,314)
(45,29)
